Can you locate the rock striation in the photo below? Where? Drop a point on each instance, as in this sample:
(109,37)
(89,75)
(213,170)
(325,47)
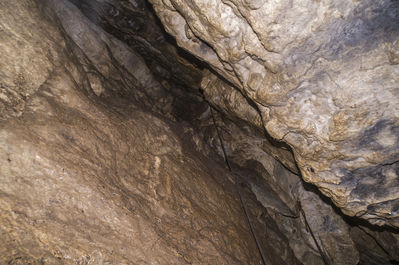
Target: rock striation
(323,78)
(88,176)
(112,138)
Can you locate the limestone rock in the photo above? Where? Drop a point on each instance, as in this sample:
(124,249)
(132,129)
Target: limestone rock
(377,247)
(282,194)
(238,109)
(324,77)
(87,177)
(107,147)
(133,23)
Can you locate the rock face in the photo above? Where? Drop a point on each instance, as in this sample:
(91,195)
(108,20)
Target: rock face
(323,76)
(87,177)
(110,151)
(314,230)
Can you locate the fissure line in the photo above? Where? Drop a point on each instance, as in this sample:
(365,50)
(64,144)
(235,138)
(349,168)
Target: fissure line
(251,227)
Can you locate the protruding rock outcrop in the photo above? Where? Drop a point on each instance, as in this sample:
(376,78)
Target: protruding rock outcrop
(110,152)
(323,76)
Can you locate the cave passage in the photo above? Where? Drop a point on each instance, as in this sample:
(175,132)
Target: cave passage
(199,132)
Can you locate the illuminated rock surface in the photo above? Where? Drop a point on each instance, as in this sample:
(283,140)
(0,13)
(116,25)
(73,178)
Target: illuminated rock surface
(90,180)
(109,152)
(324,76)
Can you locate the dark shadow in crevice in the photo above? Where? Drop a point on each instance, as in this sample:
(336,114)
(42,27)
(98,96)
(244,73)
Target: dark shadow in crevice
(351,220)
(172,41)
(250,102)
(356,221)
(263,131)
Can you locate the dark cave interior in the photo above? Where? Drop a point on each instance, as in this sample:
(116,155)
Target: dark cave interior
(285,219)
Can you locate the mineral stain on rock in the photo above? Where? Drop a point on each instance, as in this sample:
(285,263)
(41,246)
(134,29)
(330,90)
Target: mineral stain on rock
(116,116)
(369,25)
(382,135)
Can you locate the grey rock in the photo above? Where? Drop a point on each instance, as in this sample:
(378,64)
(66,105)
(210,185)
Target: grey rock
(324,77)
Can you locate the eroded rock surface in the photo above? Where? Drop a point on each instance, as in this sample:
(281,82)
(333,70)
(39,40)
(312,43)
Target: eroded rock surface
(86,176)
(314,231)
(324,77)
(99,110)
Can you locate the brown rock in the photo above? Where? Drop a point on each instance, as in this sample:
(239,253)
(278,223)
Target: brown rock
(324,77)
(107,145)
(96,180)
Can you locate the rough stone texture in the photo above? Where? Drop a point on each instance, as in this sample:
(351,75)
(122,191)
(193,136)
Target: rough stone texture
(93,171)
(297,211)
(87,177)
(133,23)
(96,186)
(324,77)
(377,247)
(281,193)
(235,106)
(275,244)
(266,170)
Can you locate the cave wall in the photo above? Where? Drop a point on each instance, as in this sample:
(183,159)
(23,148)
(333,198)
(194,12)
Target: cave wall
(87,175)
(323,77)
(107,135)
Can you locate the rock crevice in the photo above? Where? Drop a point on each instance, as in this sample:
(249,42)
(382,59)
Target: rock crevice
(111,132)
